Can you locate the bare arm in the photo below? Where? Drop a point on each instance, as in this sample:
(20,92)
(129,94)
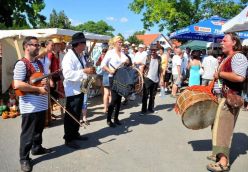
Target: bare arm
(25,87)
(231,76)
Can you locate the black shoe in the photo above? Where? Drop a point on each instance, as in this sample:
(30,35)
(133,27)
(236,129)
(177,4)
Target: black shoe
(117,122)
(151,111)
(41,151)
(72,145)
(26,165)
(82,138)
(111,124)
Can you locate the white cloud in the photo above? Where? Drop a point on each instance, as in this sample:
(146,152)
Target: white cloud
(111,18)
(123,20)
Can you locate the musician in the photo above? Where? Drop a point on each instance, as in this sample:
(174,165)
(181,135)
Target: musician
(74,71)
(233,72)
(154,75)
(111,62)
(33,104)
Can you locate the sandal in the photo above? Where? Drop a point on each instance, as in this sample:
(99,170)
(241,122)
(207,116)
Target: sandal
(217,167)
(212,158)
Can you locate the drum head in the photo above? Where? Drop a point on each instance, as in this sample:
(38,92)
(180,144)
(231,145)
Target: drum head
(200,115)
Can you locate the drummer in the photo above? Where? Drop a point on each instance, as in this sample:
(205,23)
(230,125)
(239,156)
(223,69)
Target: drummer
(114,59)
(233,72)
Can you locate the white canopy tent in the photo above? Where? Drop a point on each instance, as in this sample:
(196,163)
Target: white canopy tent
(238,23)
(11,42)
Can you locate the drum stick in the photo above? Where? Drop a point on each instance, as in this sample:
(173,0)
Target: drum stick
(68,112)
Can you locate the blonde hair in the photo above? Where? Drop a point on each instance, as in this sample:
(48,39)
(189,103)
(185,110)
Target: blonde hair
(110,44)
(117,38)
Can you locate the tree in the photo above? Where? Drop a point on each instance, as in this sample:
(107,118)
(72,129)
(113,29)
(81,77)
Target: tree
(21,13)
(175,14)
(100,27)
(134,40)
(119,34)
(59,20)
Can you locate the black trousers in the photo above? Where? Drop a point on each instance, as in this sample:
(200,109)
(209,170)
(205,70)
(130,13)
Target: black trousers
(31,134)
(149,89)
(74,106)
(115,104)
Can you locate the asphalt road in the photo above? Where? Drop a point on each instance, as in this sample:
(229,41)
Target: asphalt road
(152,143)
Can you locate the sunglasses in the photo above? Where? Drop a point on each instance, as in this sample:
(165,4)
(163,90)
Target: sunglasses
(35,45)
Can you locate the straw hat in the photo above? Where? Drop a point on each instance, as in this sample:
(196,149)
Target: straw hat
(56,40)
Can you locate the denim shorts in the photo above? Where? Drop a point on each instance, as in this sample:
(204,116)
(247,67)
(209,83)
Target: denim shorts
(105,79)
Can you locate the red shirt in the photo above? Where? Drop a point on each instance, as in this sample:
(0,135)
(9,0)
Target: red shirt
(54,62)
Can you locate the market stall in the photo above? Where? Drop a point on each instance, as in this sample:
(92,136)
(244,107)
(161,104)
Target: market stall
(11,44)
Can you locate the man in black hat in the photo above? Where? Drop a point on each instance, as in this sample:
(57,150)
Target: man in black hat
(74,70)
(153,73)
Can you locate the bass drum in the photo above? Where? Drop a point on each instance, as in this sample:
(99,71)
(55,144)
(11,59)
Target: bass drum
(197,108)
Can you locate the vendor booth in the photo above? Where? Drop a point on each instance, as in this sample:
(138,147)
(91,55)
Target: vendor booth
(11,45)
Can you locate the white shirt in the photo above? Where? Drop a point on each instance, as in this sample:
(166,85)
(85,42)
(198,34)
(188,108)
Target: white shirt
(176,61)
(73,74)
(140,57)
(153,70)
(210,65)
(112,60)
(184,64)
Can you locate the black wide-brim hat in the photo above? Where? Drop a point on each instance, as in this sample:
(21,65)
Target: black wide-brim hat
(153,47)
(78,38)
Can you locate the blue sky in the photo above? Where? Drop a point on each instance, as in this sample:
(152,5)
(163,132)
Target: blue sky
(114,12)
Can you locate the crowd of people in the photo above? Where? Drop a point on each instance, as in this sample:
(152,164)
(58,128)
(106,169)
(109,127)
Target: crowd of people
(169,69)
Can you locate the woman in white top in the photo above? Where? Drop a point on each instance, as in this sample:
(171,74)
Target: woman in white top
(112,61)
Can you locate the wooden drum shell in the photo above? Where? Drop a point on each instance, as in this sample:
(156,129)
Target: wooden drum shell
(197,108)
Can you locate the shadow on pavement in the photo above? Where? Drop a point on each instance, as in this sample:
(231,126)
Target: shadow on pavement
(94,138)
(239,146)
(168,107)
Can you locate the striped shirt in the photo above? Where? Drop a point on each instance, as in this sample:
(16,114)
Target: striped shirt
(29,103)
(239,64)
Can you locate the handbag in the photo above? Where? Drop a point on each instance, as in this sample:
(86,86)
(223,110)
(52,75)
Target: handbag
(234,100)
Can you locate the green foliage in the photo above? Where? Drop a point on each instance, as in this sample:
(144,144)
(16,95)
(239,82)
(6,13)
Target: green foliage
(176,14)
(59,20)
(119,34)
(133,39)
(100,27)
(16,14)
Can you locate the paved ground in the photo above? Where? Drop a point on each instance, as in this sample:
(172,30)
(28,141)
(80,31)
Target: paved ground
(152,143)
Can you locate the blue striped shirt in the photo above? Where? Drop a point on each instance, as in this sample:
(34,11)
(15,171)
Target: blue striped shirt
(29,103)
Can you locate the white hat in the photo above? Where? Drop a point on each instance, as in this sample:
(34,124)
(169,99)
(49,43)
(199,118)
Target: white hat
(141,46)
(133,45)
(126,43)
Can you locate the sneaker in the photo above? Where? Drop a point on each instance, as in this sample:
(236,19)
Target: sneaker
(26,166)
